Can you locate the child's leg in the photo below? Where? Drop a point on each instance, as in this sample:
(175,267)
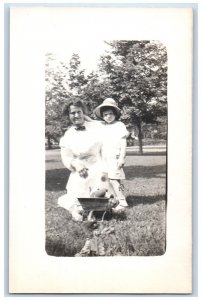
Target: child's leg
(118,192)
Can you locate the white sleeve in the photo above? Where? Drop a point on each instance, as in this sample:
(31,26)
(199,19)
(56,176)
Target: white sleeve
(123,131)
(66,153)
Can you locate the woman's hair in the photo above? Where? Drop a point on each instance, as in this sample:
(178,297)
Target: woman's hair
(75,102)
(105,108)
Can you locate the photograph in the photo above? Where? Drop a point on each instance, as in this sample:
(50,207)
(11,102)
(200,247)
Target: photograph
(100,150)
(106,149)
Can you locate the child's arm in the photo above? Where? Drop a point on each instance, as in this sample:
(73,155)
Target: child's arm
(121,159)
(87,118)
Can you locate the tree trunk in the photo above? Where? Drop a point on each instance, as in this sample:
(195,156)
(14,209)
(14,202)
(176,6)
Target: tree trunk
(140,137)
(49,142)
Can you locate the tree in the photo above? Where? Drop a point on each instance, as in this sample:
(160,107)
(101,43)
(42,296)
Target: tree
(64,81)
(90,88)
(76,76)
(56,93)
(136,72)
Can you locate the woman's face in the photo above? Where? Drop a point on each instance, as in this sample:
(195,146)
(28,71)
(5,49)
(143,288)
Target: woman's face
(108,116)
(76,115)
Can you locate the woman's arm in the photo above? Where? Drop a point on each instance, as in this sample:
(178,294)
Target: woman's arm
(66,153)
(69,160)
(73,164)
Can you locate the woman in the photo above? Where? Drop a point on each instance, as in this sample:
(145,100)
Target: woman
(81,154)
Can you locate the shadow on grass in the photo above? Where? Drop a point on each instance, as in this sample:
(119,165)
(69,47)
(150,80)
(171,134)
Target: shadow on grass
(136,200)
(57,248)
(135,153)
(145,171)
(56,179)
(120,216)
(52,160)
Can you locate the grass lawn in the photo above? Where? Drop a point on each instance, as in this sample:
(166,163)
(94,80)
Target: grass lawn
(140,230)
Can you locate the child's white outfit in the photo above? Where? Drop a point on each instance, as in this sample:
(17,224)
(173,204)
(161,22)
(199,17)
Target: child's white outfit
(112,134)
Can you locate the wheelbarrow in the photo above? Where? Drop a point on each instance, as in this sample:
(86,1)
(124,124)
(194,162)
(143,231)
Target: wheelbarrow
(100,204)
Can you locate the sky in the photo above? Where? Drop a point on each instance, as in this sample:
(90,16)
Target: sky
(88,50)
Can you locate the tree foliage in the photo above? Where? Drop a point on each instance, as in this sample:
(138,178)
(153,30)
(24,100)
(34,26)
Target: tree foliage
(63,80)
(76,75)
(55,96)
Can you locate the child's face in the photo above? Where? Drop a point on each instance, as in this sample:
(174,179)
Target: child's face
(108,116)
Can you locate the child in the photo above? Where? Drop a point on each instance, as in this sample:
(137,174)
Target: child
(114,147)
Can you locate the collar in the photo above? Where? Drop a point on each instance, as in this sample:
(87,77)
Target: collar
(81,127)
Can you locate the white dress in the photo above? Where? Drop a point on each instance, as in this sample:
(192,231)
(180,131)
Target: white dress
(111,141)
(85,147)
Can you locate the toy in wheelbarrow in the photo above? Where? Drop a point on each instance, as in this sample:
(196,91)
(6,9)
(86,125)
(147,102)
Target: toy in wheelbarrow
(99,201)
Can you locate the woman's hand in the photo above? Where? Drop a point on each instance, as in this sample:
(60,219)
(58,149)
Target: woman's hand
(80,168)
(83,173)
